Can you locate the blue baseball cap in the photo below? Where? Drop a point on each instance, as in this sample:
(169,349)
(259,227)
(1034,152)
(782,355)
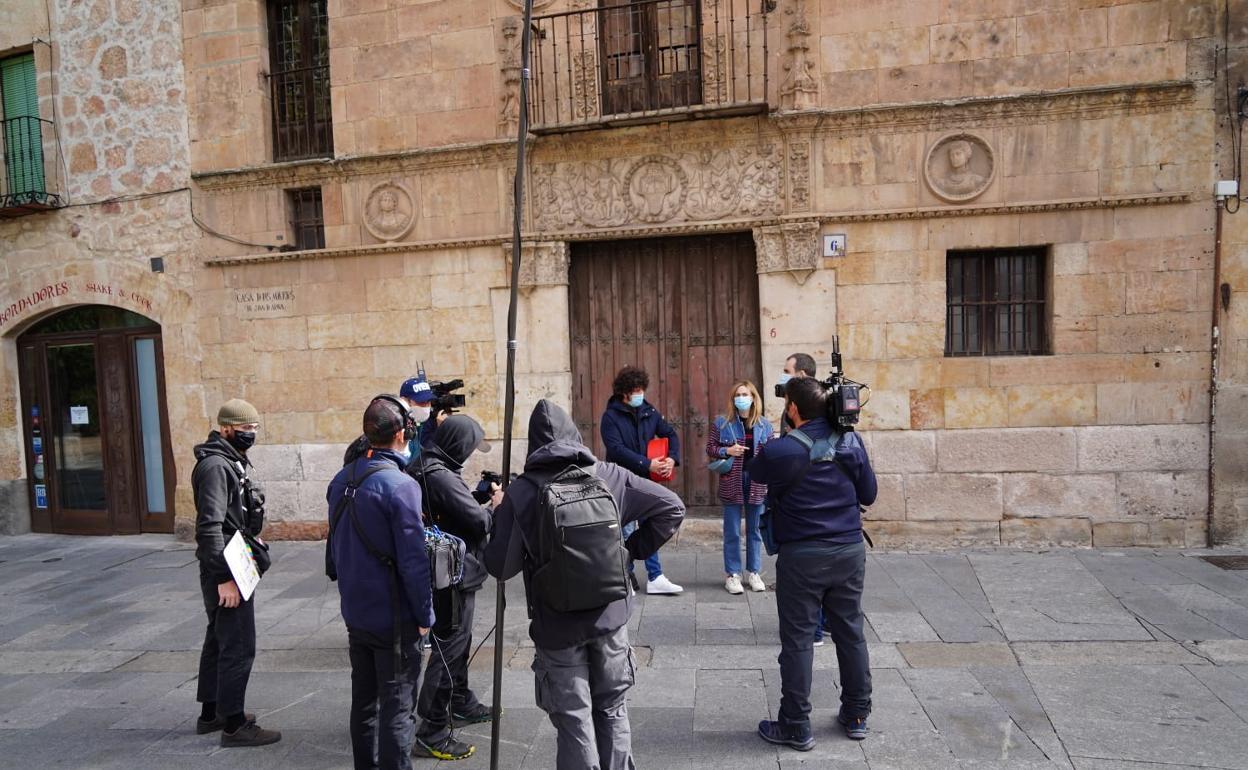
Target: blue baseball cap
(417,390)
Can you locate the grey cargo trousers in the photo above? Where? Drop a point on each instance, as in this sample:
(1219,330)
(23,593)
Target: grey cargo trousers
(582,689)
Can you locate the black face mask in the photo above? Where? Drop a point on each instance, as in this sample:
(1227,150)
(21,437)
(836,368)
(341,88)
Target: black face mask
(242,440)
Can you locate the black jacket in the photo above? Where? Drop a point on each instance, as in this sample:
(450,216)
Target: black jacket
(627,431)
(448,502)
(554,445)
(217,484)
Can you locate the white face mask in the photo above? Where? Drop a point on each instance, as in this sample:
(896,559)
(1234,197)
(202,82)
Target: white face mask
(421,413)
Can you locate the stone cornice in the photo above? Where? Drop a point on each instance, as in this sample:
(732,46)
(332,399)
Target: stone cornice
(998,110)
(726,225)
(979,111)
(494,151)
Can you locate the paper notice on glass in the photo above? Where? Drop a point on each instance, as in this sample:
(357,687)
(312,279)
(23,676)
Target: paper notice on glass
(242,565)
(79,415)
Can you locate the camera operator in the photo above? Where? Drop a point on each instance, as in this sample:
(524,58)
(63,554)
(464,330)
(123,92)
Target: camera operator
(814,496)
(418,397)
(445,697)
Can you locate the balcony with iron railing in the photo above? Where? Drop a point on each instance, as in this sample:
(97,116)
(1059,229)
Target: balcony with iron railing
(624,63)
(24,185)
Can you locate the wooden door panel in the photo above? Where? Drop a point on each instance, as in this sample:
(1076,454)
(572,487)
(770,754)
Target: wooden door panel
(120,459)
(684,309)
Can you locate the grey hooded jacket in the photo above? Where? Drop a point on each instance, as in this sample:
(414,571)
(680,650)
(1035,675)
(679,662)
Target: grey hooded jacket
(554,445)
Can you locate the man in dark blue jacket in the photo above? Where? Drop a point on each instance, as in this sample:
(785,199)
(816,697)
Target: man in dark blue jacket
(627,426)
(583,665)
(817,522)
(381,516)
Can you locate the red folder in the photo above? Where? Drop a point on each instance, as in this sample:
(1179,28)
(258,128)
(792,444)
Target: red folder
(656,449)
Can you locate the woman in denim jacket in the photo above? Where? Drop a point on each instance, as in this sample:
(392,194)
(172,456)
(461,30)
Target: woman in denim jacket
(737,436)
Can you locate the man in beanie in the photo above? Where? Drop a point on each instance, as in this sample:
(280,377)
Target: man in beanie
(226,500)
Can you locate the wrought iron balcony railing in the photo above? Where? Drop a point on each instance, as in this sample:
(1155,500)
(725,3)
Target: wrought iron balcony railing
(24,189)
(636,61)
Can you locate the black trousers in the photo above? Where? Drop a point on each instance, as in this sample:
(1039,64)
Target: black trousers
(809,576)
(381,698)
(445,688)
(229,650)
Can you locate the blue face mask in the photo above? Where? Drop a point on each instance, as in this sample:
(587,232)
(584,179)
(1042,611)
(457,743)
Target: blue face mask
(405,453)
(636,400)
(743,403)
(784,378)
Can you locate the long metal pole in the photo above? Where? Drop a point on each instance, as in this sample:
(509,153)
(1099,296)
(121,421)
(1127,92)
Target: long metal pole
(509,403)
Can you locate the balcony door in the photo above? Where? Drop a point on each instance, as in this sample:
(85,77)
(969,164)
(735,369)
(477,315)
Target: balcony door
(23,144)
(651,54)
(97,438)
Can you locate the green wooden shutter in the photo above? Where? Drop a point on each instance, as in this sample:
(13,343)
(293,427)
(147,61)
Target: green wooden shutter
(23,142)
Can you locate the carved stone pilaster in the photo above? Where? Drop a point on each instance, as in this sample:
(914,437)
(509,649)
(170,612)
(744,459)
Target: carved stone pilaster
(800,88)
(799,174)
(542,263)
(791,248)
(509,65)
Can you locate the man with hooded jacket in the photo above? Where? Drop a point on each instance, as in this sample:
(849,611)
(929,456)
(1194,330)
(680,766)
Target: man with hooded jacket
(583,665)
(445,698)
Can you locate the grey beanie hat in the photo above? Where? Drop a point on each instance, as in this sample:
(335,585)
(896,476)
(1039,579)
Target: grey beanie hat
(237,412)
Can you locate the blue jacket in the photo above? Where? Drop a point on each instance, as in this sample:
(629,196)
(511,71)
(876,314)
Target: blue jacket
(387,506)
(626,431)
(824,505)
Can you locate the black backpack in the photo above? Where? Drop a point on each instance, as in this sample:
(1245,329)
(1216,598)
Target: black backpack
(580,561)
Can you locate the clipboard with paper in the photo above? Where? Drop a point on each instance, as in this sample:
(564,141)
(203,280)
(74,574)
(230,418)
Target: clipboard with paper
(242,565)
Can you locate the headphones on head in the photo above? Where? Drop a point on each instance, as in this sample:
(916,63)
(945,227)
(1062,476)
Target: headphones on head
(405,414)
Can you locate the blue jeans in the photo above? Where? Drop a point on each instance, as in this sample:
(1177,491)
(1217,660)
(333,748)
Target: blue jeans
(653,567)
(732,539)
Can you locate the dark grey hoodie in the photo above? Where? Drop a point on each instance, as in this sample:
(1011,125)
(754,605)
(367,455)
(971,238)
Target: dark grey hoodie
(448,503)
(554,445)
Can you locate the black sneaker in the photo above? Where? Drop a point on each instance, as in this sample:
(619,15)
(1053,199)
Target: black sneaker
(855,727)
(205,726)
(472,716)
(448,750)
(250,734)
(774,732)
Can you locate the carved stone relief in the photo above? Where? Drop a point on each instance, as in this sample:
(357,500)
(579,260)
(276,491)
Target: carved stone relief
(715,69)
(792,247)
(800,88)
(537,4)
(509,65)
(389,211)
(799,175)
(698,185)
(584,85)
(959,167)
(543,263)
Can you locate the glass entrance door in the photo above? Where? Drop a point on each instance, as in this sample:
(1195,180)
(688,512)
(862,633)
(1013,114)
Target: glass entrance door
(97,435)
(77,442)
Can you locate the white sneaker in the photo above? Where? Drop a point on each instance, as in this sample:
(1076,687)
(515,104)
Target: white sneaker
(755,581)
(818,642)
(661,585)
(733,585)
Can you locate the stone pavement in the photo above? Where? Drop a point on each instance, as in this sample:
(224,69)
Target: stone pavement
(1096,660)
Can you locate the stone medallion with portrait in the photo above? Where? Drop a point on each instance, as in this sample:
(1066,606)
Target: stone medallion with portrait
(959,167)
(389,211)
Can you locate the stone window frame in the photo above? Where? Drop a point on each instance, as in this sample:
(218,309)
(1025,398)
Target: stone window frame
(1025,309)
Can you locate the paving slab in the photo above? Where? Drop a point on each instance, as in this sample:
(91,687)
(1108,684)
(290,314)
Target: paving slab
(1118,653)
(961,655)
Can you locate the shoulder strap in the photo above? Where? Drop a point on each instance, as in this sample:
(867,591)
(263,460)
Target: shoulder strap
(802,438)
(348,496)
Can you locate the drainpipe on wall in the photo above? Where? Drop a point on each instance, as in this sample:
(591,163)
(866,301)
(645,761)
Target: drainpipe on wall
(1215,334)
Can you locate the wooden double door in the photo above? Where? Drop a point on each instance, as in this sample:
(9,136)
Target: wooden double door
(97,446)
(686,311)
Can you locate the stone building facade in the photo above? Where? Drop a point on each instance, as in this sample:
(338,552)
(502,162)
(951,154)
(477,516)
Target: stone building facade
(111,103)
(1075,141)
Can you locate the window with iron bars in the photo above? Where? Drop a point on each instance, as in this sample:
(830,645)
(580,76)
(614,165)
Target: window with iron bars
(996,303)
(307,220)
(299,79)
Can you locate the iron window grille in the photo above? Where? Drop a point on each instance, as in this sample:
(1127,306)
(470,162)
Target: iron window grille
(25,141)
(307,219)
(996,303)
(299,79)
